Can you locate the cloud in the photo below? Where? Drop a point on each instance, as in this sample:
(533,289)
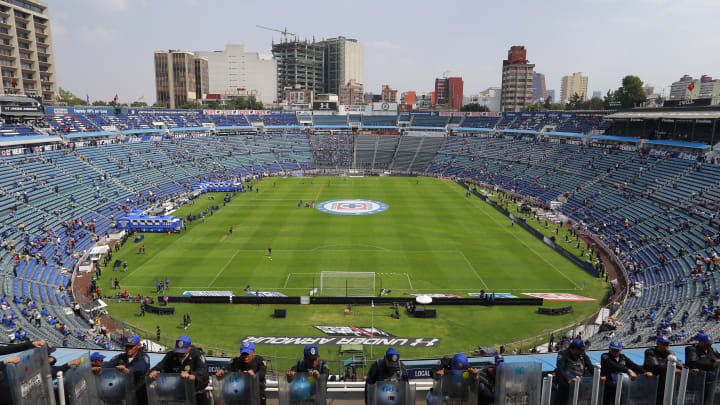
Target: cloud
(112,5)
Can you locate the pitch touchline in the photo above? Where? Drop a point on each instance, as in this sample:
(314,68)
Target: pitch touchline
(224,267)
(396,289)
(529,248)
(473,269)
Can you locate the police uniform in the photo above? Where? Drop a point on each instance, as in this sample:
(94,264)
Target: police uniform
(381,372)
(257,365)
(193,363)
(610,366)
(138,367)
(656,363)
(486,382)
(570,366)
(695,357)
(311,352)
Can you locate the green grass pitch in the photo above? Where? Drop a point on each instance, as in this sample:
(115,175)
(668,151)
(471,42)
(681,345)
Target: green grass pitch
(430,239)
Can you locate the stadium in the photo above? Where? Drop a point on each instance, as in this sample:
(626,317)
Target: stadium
(360,224)
(270,231)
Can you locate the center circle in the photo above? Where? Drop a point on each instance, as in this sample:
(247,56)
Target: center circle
(351,207)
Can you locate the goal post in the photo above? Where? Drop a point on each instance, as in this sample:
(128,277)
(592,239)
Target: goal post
(347,283)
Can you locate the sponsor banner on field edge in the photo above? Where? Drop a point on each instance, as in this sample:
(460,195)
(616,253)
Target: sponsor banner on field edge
(559,297)
(265,294)
(435,295)
(352,331)
(497,295)
(209,293)
(341,340)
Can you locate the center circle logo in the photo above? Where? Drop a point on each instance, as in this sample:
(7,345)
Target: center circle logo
(351,207)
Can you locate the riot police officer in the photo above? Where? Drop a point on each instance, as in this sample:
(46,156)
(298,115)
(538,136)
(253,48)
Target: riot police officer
(614,362)
(486,381)
(572,365)
(250,363)
(389,368)
(701,356)
(189,362)
(656,362)
(134,361)
(310,363)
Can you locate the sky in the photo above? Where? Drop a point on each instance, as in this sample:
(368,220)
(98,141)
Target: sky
(105,47)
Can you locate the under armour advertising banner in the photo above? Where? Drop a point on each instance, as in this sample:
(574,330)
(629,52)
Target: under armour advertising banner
(80,384)
(236,389)
(642,391)
(115,387)
(29,380)
(302,389)
(170,389)
(518,383)
(390,393)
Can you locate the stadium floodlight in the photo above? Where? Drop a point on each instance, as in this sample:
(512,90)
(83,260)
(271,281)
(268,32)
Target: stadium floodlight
(347,283)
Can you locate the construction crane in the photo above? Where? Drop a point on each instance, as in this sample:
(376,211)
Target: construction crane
(284,33)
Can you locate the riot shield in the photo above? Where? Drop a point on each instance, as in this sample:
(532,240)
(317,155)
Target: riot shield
(115,387)
(585,392)
(642,391)
(390,393)
(302,389)
(518,383)
(712,380)
(79,384)
(694,388)
(170,389)
(236,389)
(456,389)
(29,380)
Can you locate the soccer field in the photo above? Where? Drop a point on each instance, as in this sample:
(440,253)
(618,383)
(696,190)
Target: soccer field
(431,238)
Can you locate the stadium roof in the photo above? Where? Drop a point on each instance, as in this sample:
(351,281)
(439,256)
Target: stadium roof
(681,144)
(236,127)
(616,138)
(519,131)
(427,128)
(573,134)
(88,134)
(473,129)
(378,126)
(27,139)
(656,115)
(142,131)
(189,128)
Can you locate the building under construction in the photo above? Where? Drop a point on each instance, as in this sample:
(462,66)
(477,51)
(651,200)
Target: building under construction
(300,64)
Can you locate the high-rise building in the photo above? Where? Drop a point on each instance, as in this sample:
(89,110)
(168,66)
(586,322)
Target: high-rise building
(26,53)
(489,97)
(597,94)
(449,90)
(235,70)
(517,80)
(539,92)
(344,61)
(689,88)
(300,64)
(177,80)
(351,93)
(388,95)
(409,97)
(551,95)
(573,84)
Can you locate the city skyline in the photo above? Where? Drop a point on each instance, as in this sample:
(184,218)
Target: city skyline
(125,33)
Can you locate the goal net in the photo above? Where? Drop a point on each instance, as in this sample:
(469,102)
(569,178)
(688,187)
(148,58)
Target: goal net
(347,283)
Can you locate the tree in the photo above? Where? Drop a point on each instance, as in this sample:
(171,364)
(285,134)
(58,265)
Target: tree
(576,103)
(99,103)
(558,107)
(213,105)
(533,107)
(548,103)
(475,107)
(191,105)
(138,104)
(631,93)
(596,103)
(68,98)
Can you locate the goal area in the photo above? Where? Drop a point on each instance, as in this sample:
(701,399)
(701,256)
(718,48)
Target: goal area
(347,284)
